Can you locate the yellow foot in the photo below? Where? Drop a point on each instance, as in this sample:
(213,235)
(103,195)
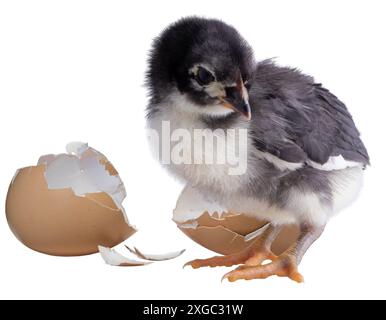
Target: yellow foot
(252,256)
(284,266)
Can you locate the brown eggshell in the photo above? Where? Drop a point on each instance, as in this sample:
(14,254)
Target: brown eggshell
(57,222)
(225,233)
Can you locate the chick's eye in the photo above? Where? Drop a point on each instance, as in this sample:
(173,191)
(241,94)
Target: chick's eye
(203,76)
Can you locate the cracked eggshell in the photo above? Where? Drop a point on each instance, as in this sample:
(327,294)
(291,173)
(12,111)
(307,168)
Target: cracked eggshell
(155,257)
(114,258)
(134,257)
(221,231)
(68,204)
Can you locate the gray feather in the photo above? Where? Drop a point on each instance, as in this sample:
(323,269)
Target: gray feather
(296,119)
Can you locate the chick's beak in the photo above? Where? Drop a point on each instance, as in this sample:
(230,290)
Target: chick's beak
(237,99)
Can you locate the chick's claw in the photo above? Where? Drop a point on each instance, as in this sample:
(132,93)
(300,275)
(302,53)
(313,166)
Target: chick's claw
(283,266)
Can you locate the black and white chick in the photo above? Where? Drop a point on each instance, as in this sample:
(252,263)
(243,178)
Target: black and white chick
(305,158)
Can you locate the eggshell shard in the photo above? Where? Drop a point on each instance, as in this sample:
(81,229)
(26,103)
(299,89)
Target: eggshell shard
(113,258)
(68,204)
(215,228)
(155,257)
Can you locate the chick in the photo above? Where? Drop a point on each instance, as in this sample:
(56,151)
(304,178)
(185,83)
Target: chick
(304,157)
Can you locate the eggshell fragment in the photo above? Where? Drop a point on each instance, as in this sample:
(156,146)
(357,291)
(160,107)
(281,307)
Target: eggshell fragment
(155,257)
(215,228)
(68,204)
(113,258)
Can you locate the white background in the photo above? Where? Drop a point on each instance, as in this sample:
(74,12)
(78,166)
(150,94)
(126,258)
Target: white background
(73,70)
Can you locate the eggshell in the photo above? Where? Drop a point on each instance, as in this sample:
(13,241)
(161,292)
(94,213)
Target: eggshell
(157,256)
(221,231)
(57,221)
(115,259)
(134,257)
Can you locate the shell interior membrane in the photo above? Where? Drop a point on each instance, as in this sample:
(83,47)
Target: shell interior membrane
(83,170)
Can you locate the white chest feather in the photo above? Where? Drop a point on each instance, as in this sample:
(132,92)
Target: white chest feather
(199,155)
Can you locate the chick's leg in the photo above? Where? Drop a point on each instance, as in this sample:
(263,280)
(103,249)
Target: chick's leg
(253,255)
(284,265)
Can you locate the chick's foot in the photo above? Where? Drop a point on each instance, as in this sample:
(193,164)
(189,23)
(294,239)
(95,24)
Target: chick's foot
(283,266)
(251,256)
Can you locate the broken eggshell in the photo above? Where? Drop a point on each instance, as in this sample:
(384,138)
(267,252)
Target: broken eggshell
(134,257)
(155,257)
(216,228)
(68,204)
(114,258)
